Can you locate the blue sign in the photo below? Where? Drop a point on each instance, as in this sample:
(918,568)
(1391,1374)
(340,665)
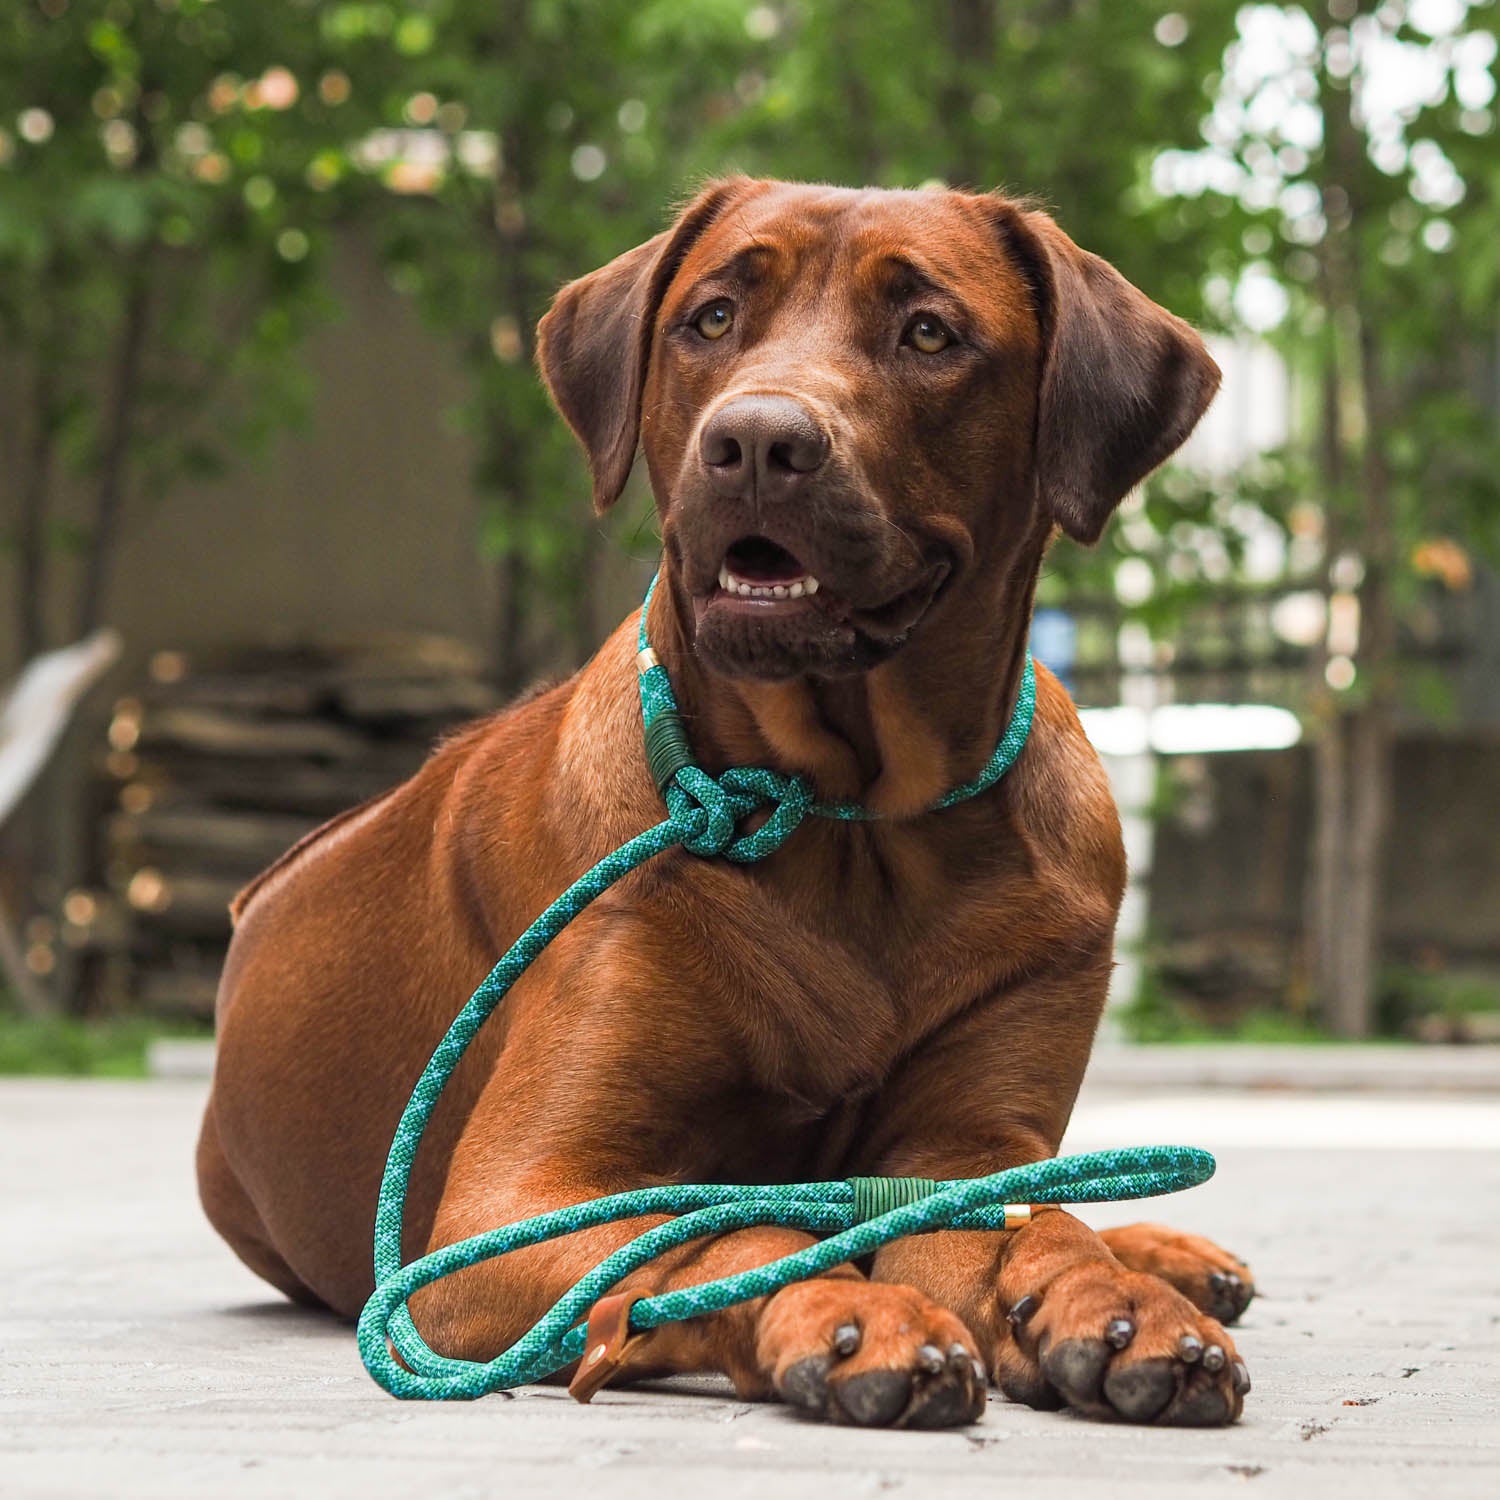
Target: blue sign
(1054,643)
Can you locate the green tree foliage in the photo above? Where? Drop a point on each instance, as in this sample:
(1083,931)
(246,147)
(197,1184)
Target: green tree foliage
(1322,174)
(168,169)
(602,116)
(1066,102)
(529,143)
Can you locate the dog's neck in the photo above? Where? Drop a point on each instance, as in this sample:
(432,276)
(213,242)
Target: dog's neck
(894,738)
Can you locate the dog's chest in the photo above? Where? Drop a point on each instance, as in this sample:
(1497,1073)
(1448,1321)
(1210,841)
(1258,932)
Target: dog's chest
(836,969)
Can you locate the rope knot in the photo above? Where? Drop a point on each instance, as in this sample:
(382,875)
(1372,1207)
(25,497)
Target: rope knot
(708,812)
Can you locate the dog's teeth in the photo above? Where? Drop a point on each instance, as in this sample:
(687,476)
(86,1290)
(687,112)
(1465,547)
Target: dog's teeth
(795,590)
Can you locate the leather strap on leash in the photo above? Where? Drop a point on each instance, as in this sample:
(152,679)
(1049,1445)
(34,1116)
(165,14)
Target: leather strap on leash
(608,1341)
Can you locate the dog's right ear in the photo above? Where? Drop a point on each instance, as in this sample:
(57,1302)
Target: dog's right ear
(594,344)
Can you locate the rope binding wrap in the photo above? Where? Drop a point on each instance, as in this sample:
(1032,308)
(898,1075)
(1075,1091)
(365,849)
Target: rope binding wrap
(856,1216)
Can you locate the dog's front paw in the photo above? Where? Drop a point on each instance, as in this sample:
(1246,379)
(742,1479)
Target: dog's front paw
(871,1354)
(1111,1342)
(1210,1278)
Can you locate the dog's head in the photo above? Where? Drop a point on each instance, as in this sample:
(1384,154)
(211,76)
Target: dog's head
(854,404)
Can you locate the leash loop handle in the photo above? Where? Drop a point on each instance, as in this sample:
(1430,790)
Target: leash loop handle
(830,1209)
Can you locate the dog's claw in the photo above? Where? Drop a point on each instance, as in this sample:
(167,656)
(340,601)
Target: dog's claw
(1021,1311)
(930,1359)
(846,1339)
(1213,1359)
(1189,1349)
(1119,1333)
(1241,1378)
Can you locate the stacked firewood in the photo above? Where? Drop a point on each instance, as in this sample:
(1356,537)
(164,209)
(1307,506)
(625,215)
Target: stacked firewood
(219,764)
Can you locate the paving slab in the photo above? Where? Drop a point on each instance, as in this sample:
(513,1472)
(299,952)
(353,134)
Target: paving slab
(144,1361)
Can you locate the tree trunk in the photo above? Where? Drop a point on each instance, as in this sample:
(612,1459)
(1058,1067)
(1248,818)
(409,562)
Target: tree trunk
(971,49)
(1353,745)
(509,226)
(32,998)
(1329,761)
(1369,727)
(26,833)
(586,628)
(862,145)
(36,491)
(511,665)
(115,457)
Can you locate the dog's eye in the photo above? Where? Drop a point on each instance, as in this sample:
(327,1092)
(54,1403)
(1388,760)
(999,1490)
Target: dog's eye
(927,334)
(715,320)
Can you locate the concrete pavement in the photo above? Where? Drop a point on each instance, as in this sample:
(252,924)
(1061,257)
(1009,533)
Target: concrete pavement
(142,1360)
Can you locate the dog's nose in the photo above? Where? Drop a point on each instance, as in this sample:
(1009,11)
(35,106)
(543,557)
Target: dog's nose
(761,445)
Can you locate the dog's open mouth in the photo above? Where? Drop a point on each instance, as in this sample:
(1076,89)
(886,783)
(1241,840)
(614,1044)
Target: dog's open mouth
(766,614)
(762,578)
(757,568)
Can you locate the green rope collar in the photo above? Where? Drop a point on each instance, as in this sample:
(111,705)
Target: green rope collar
(686,788)
(858,1215)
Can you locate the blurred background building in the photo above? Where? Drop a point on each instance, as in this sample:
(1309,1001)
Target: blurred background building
(268,277)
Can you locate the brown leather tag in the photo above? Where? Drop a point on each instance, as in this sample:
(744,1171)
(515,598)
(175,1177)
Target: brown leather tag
(609,1340)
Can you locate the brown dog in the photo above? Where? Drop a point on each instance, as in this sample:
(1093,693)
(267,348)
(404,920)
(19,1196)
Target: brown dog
(864,414)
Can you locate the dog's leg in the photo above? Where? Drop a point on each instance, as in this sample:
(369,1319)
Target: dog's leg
(1061,1320)
(228,1208)
(837,1346)
(478,1312)
(1210,1278)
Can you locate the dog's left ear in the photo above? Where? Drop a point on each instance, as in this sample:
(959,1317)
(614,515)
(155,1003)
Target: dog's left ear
(594,344)
(1123,381)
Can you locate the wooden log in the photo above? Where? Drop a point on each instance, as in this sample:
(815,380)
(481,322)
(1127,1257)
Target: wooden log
(303,788)
(188,904)
(269,693)
(445,699)
(204,835)
(222,760)
(178,992)
(212,732)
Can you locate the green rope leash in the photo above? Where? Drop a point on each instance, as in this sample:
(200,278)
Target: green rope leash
(857,1215)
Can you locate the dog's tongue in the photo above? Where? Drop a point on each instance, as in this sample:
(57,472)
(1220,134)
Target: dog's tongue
(757,559)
